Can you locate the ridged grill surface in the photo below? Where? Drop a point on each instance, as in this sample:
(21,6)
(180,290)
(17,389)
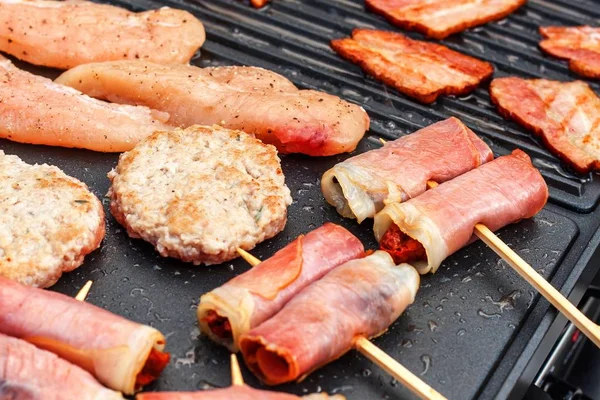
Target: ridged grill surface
(292,37)
(470,318)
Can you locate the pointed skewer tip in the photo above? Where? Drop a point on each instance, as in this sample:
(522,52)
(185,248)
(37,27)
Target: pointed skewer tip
(250,259)
(236,374)
(81,296)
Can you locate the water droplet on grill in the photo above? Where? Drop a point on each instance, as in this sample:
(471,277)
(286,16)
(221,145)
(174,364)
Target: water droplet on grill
(426,360)
(432,325)
(341,389)
(466,279)
(483,314)
(188,360)
(506,302)
(439,308)
(531,298)
(407,343)
(206,385)
(366,372)
(394,382)
(461,332)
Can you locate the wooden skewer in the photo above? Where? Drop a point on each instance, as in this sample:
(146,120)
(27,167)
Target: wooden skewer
(583,323)
(236,374)
(84,291)
(379,357)
(573,314)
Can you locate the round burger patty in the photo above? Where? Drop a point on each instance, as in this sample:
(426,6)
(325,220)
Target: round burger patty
(198,194)
(49,221)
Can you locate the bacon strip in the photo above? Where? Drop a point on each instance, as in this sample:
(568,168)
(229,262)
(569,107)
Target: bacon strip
(418,69)
(443,219)
(29,373)
(580,45)
(440,18)
(242,392)
(231,310)
(112,348)
(360,298)
(360,186)
(253,100)
(566,115)
(258,3)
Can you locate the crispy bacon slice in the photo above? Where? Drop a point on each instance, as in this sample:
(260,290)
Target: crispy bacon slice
(121,354)
(579,44)
(566,115)
(360,298)
(443,219)
(440,18)
(360,186)
(258,3)
(241,392)
(418,69)
(29,373)
(227,312)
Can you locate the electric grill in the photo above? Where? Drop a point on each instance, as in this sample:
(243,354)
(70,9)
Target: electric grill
(476,330)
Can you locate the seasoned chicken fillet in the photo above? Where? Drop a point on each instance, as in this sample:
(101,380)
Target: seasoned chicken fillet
(64,34)
(250,99)
(33,109)
(199,194)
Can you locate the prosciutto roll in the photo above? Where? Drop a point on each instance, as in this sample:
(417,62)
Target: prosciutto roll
(121,354)
(227,312)
(29,373)
(425,230)
(360,186)
(360,298)
(241,392)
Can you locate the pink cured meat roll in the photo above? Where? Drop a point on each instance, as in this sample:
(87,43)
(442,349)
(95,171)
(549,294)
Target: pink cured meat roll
(121,354)
(443,219)
(360,186)
(241,392)
(29,373)
(360,298)
(228,311)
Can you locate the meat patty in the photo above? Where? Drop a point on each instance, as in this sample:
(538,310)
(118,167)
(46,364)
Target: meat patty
(198,194)
(49,221)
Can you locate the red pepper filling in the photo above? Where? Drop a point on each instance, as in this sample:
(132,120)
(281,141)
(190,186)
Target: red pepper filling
(220,326)
(156,362)
(402,247)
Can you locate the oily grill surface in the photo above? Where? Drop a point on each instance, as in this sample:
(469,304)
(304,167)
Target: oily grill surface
(466,316)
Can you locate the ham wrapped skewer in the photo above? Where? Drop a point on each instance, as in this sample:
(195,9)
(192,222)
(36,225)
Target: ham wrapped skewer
(241,392)
(360,298)
(121,354)
(29,373)
(425,230)
(231,310)
(360,186)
